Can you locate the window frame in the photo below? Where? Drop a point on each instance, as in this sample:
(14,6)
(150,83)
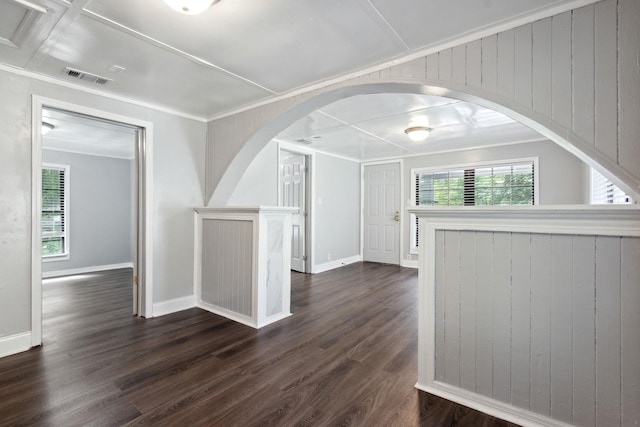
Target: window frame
(65,235)
(413,249)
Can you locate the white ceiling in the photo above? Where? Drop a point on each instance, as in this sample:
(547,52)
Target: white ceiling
(238,52)
(371,127)
(84,135)
(242,52)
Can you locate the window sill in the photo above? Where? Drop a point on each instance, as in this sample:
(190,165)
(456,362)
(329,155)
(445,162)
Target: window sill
(54,258)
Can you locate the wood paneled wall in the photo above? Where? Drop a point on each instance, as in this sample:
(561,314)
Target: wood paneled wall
(574,69)
(227,254)
(547,323)
(575,75)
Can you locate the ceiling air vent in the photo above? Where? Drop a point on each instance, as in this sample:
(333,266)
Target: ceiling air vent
(87,77)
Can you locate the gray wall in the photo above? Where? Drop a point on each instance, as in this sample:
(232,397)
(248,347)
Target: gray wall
(100,223)
(562,177)
(226,275)
(337,208)
(178,185)
(259,183)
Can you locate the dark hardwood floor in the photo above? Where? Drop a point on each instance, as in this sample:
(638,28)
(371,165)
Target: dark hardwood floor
(347,356)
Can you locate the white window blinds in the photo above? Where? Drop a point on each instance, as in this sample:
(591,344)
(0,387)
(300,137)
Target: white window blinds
(604,191)
(497,185)
(54,208)
(502,185)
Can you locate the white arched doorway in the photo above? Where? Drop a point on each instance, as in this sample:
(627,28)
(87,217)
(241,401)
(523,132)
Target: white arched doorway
(235,140)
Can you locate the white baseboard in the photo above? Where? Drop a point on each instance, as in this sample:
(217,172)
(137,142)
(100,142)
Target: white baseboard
(409,263)
(174,305)
(83,270)
(236,317)
(321,268)
(272,319)
(490,406)
(15,344)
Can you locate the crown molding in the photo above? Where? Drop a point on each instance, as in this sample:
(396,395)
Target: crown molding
(132,101)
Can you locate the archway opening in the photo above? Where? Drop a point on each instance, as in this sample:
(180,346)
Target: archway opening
(345,137)
(274,119)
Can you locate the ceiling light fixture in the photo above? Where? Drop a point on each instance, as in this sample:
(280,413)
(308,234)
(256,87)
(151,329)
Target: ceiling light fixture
(190,7)
(47,127)
(418,133)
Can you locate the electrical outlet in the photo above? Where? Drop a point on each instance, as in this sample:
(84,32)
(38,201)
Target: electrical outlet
(328,257)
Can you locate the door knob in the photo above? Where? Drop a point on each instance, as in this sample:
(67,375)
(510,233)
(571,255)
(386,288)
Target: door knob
(396,218)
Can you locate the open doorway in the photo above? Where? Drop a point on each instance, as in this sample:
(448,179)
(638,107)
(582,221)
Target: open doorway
(88,198)
(90,195)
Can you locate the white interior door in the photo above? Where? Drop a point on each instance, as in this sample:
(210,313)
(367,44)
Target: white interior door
(293,195)
(382,213)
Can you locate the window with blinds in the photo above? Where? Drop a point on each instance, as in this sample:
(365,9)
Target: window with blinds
(495,185)
(604,191)
(54,210)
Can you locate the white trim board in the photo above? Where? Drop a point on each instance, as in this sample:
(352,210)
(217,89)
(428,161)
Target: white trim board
(163,308)
(83,270)
(331,265)
(13,344)
(310,204)
(70,85)
(228,314)
(492,407)
(401,239)
(145,308)
(409,263)
(86,153)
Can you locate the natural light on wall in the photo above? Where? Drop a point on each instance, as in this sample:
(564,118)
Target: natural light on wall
(604,191)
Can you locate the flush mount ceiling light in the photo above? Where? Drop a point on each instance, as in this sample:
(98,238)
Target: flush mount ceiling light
(418,133)
(190,7)
(47,127)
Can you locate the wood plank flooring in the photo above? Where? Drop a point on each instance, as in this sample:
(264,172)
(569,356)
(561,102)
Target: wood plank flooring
(347,357)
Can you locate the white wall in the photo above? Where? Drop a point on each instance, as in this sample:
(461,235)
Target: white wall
(562,178)
(100,211)
(178,168)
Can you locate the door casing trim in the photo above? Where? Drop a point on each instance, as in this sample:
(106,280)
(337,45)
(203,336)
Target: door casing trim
(402,212)
(145,203)
(310,230)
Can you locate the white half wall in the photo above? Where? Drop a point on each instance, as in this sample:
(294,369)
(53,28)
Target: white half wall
(532,313)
